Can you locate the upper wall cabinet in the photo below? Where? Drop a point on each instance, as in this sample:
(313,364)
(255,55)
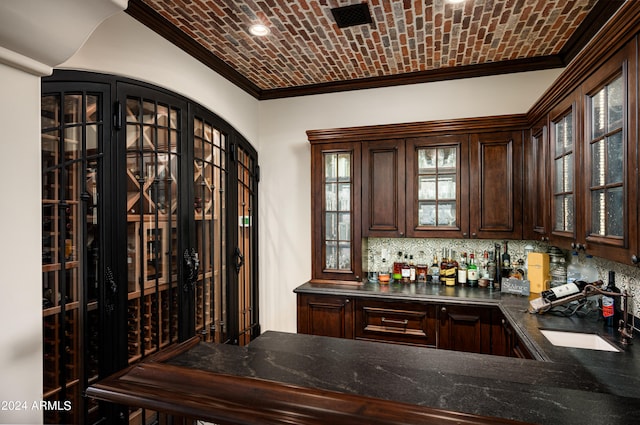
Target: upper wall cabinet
(536,213)
(437,187)
(610,159)
(495,184)
(593,163)
(336,220)
(383,188)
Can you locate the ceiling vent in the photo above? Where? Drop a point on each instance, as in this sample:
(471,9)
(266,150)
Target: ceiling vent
(349,16)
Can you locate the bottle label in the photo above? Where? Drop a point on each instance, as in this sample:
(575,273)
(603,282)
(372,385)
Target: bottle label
(565,290)
(472,274)
(607,307)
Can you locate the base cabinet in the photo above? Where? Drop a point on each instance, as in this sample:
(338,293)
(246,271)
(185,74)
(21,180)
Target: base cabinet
(465,328)
(400,322)
(325,316)
(458,327)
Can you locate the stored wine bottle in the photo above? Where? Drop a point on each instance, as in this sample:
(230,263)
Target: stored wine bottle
(472,271)
(564,291)
(405,270)
(610,305)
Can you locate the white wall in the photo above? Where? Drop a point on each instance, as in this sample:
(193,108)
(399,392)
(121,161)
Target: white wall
(122,46)
(285,188)
(20,250)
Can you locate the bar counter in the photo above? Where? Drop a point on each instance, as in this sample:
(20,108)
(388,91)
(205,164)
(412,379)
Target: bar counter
(292,378)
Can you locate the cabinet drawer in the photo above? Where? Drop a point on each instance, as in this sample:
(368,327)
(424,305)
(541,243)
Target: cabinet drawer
(406,323)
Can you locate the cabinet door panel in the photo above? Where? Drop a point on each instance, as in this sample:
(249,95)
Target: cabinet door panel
(336,211)
(465,328)
(610,158)
(437,170)
(536,210)
(496,185)
(383,188)
(325,316)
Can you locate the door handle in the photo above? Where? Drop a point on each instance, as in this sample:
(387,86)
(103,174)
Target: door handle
(238,258)
(192,266)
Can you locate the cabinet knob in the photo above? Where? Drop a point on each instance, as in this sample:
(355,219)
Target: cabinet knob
(635,259)
(473,235)
(464,234)
(347,301)
(443,309)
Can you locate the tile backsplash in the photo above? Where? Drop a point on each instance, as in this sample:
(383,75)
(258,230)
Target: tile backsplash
(423,250)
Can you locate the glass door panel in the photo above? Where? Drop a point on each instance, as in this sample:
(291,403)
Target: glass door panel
(437,187)
(210,215)
(72,167)
(246,245)
(563,182)
(607,161)
(152,200)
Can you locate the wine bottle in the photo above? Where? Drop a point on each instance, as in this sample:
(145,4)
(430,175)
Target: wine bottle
(506,258)
(610,305)
(564,291)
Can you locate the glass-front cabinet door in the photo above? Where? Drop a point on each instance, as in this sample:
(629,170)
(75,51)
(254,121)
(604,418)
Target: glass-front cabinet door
(437,192)
(610,186)
(563,175)
(336,211)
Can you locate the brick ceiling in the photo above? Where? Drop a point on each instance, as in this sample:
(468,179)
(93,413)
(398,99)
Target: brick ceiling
(408,41)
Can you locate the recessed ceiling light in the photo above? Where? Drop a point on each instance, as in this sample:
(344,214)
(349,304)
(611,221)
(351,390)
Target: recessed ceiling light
(455,1)
(259,30)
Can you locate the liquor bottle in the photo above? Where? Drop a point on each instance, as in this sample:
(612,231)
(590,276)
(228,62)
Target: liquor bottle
(412,270)
(484,268)
(462,269)
(564,291)
(397,268)
(506,258)
(434,271)
(405,271)
(451,270)
(472,271)
(422,267)
(443,267)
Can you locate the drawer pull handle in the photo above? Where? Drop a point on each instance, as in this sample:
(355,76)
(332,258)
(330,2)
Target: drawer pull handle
(404,322)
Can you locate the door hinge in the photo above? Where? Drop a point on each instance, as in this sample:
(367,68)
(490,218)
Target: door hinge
(117,115)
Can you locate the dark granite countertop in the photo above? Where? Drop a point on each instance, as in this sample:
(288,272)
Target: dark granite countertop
(570,386)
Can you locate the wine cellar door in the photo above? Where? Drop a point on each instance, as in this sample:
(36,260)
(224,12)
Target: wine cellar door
(149,234)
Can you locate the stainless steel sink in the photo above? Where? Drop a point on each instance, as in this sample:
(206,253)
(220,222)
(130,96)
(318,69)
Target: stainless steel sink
(578,340)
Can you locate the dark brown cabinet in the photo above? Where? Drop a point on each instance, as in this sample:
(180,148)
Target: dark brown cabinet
(495,184)
(336,214)
(504,340)
(383,188)
(460,327)
(402,322)
(464,328)
(536,218)
(582,176)
(325,315)
(438,186)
